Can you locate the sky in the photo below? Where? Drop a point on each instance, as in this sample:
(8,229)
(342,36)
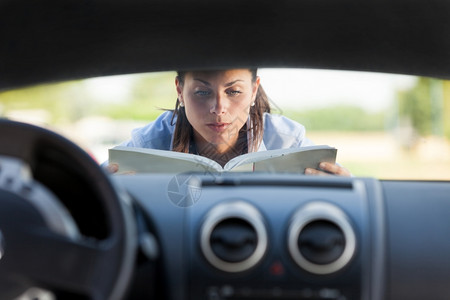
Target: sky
(306,88)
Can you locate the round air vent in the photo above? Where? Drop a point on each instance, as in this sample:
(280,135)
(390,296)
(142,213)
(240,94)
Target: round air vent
(320,238)
(233,237)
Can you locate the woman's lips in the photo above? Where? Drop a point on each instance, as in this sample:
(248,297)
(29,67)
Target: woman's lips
(218,127)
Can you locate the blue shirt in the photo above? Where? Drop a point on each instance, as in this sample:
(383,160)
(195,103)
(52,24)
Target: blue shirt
(279,133)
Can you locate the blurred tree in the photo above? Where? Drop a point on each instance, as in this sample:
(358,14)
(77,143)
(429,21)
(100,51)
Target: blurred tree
(339,118)
(64,102)
(414,106)
(426,107)
(150,94)
(70,101)
(446,108)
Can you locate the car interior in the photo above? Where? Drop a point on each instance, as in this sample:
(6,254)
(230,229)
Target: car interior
(71,230)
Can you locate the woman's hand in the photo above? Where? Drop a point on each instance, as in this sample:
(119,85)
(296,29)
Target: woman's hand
(327,168)
(112,168)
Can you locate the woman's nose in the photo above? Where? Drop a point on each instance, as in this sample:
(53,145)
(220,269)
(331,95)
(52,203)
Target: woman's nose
(218,105)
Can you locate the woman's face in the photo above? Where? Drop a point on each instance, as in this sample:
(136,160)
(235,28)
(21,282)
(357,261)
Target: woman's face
(217,104)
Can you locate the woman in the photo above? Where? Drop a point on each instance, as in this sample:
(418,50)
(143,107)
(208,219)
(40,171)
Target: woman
(221,115)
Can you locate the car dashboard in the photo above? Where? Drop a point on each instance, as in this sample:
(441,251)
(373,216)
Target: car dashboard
(285,236)
(253,236)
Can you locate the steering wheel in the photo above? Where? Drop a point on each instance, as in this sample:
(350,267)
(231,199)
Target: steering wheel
(64,226)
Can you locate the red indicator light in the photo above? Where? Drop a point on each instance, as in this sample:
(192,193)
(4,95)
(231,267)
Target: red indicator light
(276,269)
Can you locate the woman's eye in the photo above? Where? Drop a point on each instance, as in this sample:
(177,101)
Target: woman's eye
(202,93)
(234,93)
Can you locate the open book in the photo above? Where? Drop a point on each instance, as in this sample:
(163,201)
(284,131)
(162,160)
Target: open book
(293,160)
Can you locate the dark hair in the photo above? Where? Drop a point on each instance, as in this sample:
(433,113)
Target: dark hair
(184,131)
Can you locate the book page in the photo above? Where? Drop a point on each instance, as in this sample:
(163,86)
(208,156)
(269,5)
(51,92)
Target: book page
(292,160)
(297,162)
(144,160)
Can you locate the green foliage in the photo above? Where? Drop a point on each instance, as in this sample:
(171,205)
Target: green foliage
(415,106)
(446,108)
(64,102)
(426,106)
(150,95)
(145,112)
(70,101)
(339,118)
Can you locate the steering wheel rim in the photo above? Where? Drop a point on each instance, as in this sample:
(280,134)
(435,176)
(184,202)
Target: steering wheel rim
(96,263)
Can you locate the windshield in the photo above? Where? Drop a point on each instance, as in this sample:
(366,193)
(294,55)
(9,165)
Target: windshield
(384,126)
